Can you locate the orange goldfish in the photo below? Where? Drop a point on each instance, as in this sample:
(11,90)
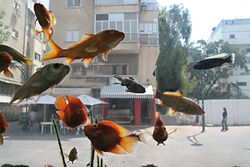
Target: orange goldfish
(48,165)
(45,18)
(3,127)
(108,136)
(179,103)
(160,133)
(5,61)
(87,48)
(72,114)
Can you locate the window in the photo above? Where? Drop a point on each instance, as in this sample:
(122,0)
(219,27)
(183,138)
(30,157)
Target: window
(125,22)
(124,69)
(242,83)
(232,36)
(78,70)
(72,35)
(14,33)
(37,56)
(114,69)
(73,3)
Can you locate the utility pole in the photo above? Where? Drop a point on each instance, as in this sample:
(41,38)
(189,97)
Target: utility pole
(202,100)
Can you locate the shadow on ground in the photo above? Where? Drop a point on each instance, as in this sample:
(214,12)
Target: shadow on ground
(193,140)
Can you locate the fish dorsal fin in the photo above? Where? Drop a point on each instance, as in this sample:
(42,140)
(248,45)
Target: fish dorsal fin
(178,93)
(131,78)
(53,19)
(221,56)
(118,150)
(122,131)
(99,152)
(61,103)
(105,56)
(88,61)
(82,40)
(70,98)
(128,143)
(70,60)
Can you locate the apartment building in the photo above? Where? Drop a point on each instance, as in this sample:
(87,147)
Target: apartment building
(237,33)
(135,56)
(20,17)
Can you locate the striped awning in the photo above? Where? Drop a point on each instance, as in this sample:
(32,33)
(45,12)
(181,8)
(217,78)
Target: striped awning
(119,92)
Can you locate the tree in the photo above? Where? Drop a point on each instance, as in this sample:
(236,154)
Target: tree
(4,34)
(174,32)
(214,79)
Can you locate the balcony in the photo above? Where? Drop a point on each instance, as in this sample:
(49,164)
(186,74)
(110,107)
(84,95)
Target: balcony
(149,5)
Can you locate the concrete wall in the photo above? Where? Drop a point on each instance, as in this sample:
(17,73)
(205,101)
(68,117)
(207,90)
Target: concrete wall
(133,8)
(237,110)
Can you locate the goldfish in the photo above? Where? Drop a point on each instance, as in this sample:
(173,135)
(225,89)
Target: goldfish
(220,60)
(45,78)
(46,20)
(87,48)
(131,85)
(3,126)
(72,114)
(5,61)
(15,54)
(72,155)
(178,103)
(107,136)
(160,133)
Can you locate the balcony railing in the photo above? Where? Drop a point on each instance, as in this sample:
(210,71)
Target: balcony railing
(149,39)
(115,2)
(149,6)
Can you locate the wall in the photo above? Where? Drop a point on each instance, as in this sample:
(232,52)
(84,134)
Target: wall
(237,110)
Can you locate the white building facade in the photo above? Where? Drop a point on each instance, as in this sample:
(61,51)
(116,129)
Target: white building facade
(237,33)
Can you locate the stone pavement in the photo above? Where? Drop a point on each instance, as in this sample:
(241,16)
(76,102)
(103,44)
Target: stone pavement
(187,148)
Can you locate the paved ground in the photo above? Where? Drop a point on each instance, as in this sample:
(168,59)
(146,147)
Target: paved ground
(188,148)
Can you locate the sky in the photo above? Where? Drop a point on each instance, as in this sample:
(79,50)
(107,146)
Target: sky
(206,14)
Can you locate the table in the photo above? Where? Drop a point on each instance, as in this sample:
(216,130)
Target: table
(47,123)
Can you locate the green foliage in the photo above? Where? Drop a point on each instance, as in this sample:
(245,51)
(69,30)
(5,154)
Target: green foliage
(214,79)
(174,30)
(4,33)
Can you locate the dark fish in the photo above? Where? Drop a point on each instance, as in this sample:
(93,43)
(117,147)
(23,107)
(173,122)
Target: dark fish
(72,155)
(220,60)
(3,126)
(15,54)
(5,61)
(131,85)
(45,78)
(179,103)
(45,18)
(87,48)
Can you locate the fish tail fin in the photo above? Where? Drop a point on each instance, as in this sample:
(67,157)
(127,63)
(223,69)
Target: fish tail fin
(157,115)
(172,111)
(54,53)
(128,143)
(28,62)
(173,131)
(1,139)
(88,61)
(61,115)
(7,73)
(66,155)
(36,32)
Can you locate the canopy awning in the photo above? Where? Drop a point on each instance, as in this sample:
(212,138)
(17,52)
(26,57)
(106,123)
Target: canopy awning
(118,91)
(88,100)
(4,99)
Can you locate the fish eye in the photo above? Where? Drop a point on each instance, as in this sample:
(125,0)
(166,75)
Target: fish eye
(78,111)
(111,31)
(95,125)
(56,65)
